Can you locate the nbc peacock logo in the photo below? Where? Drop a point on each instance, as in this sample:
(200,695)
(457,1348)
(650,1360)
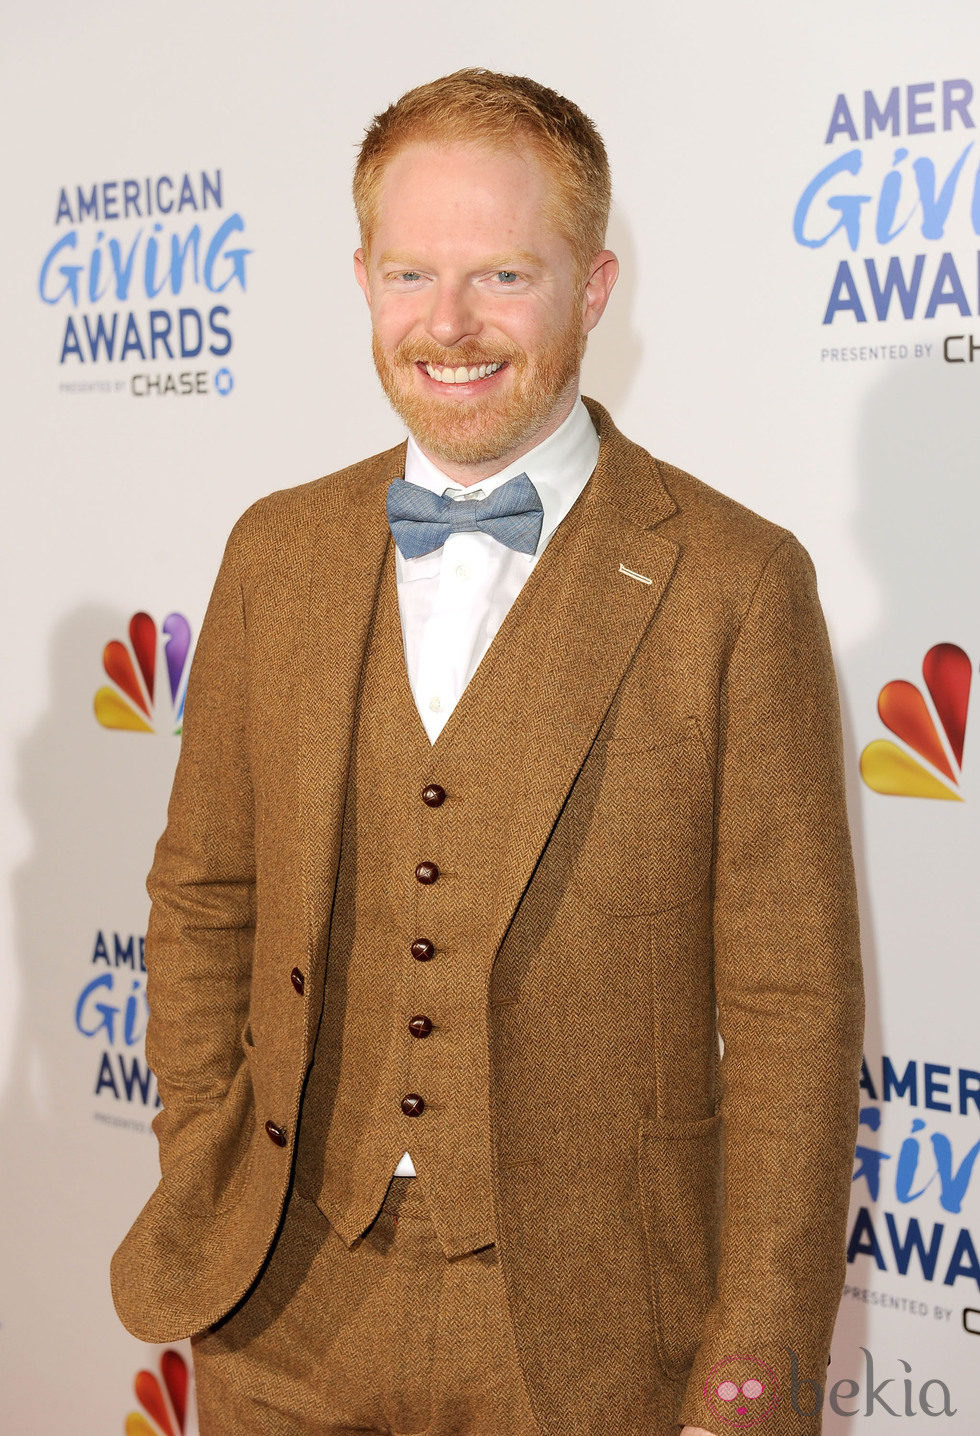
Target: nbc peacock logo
(935,736)
(163,1399)
(142,700)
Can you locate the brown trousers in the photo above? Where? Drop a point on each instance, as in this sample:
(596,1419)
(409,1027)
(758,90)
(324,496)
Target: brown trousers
(388,1336)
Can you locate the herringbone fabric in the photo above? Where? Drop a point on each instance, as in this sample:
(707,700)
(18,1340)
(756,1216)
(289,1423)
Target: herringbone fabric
(659,788)
(413,1344)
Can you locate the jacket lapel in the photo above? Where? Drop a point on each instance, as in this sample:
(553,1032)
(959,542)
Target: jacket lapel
(346,562)
(533,709)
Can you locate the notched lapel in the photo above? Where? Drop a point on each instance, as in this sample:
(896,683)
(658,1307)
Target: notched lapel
(582,627)
(348,550)
(601,617)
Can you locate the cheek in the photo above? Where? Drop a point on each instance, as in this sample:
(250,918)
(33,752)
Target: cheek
(393,317)
(532,333)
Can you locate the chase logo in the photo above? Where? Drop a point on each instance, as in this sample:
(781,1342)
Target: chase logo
(163,1399)
(936,737)
(142,700)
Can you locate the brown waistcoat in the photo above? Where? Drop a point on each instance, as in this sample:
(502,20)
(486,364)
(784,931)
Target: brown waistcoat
(353,1129)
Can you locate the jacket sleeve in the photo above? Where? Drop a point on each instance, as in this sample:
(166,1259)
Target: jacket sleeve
(790,1005)
(202,886)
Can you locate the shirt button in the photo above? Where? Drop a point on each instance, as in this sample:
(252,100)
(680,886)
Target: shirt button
(433,795)
(420,1026)
(436,705)
(422,949)
(275,1134)
(426,873)
(412,1104)
(462,570)
(298,980)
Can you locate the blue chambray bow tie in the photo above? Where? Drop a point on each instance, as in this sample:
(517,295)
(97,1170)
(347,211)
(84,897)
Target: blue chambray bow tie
(421,521)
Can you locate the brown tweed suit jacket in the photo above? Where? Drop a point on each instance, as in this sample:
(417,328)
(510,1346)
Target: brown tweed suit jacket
(664,791)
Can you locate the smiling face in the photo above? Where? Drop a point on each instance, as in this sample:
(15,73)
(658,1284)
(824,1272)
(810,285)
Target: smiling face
(479,309)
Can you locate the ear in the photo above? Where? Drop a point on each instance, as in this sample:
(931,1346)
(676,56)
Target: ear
(361,274)
(603,273)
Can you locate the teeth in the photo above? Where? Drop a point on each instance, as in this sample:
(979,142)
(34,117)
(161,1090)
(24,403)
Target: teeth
(462,375)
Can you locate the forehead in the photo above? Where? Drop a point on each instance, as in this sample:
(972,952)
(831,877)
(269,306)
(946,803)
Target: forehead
(426,186)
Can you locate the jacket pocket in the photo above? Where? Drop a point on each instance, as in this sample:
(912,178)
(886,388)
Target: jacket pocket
(679,1177)
(637,827)
(206,1149)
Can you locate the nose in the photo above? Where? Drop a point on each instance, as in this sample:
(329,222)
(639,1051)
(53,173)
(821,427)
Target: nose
(452,316)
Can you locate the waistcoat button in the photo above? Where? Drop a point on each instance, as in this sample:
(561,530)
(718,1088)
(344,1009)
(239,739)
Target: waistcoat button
(275,1134)
(426,873)
(422,949)
(433,795)
(298,981)
(420,1026)
(413,1105)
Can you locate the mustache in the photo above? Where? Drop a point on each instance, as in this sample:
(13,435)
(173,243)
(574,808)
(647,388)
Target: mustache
(421,351)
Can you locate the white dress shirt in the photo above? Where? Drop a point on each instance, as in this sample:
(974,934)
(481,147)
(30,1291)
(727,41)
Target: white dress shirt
(452,601)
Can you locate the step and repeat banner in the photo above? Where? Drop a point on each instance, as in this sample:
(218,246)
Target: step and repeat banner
(797,213)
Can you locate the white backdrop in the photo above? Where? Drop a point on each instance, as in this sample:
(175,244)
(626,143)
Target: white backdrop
(858,433)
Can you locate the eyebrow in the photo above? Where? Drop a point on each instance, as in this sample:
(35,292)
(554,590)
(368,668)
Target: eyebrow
(522,257)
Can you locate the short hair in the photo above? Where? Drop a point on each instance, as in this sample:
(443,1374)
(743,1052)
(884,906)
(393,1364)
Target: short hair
(480,107)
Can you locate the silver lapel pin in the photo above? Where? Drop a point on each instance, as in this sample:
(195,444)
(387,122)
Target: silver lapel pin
(640,577)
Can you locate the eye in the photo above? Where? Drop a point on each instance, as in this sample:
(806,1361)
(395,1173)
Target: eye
(410,276)
(507,276)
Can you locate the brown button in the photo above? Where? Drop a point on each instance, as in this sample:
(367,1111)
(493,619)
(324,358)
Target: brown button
(413,1105)
(426,873)
(433,795)
(275,1134)
(420,1026)
(423,950)
(298,980)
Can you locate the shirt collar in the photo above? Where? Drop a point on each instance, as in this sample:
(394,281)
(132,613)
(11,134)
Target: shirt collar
(559,468)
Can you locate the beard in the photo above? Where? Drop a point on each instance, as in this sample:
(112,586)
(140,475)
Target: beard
(480,430)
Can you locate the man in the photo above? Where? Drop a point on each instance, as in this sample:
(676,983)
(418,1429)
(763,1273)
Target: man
(447,1142)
